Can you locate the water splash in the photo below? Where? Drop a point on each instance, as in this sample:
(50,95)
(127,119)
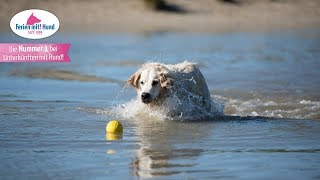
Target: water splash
(172,108)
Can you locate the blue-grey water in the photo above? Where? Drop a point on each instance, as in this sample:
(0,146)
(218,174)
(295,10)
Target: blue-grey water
(53,115)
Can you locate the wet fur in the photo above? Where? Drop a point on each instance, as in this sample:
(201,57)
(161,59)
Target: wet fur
(184,81)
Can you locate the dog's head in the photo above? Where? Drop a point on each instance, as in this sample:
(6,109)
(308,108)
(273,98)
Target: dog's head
(151,82)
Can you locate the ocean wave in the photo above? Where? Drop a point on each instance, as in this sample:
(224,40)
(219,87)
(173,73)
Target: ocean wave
(266,107)
(291,107)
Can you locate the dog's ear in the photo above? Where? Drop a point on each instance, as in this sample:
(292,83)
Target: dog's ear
(134,79)
(165,80)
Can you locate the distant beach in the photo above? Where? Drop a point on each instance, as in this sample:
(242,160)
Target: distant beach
(207,16)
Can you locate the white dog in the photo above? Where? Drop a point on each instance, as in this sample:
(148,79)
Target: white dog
(180,89)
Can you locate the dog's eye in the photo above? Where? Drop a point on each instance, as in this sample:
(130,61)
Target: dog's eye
(141,82)
(154,83)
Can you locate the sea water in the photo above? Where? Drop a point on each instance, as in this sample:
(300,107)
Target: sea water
(53,115)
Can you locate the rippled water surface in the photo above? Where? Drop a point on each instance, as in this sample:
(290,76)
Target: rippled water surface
(53,115)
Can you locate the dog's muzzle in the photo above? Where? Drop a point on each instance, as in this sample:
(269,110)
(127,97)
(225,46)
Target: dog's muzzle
(146,97)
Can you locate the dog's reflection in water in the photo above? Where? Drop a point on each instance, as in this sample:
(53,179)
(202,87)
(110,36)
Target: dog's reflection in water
(165,147)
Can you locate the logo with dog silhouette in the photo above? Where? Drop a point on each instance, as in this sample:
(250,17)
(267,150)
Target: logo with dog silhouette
(34,24)
(32,20)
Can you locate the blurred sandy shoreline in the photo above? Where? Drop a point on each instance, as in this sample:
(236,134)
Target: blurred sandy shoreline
(117,16)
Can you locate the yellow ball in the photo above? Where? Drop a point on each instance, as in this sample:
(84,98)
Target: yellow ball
(114,127)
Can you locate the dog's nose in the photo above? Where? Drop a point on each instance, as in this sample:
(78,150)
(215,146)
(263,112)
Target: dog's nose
(145,96)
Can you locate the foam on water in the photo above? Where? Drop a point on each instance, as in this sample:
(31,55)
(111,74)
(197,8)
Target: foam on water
(290,107)
(298,108)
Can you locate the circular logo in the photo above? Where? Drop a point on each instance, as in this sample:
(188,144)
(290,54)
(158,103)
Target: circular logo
(34,24)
